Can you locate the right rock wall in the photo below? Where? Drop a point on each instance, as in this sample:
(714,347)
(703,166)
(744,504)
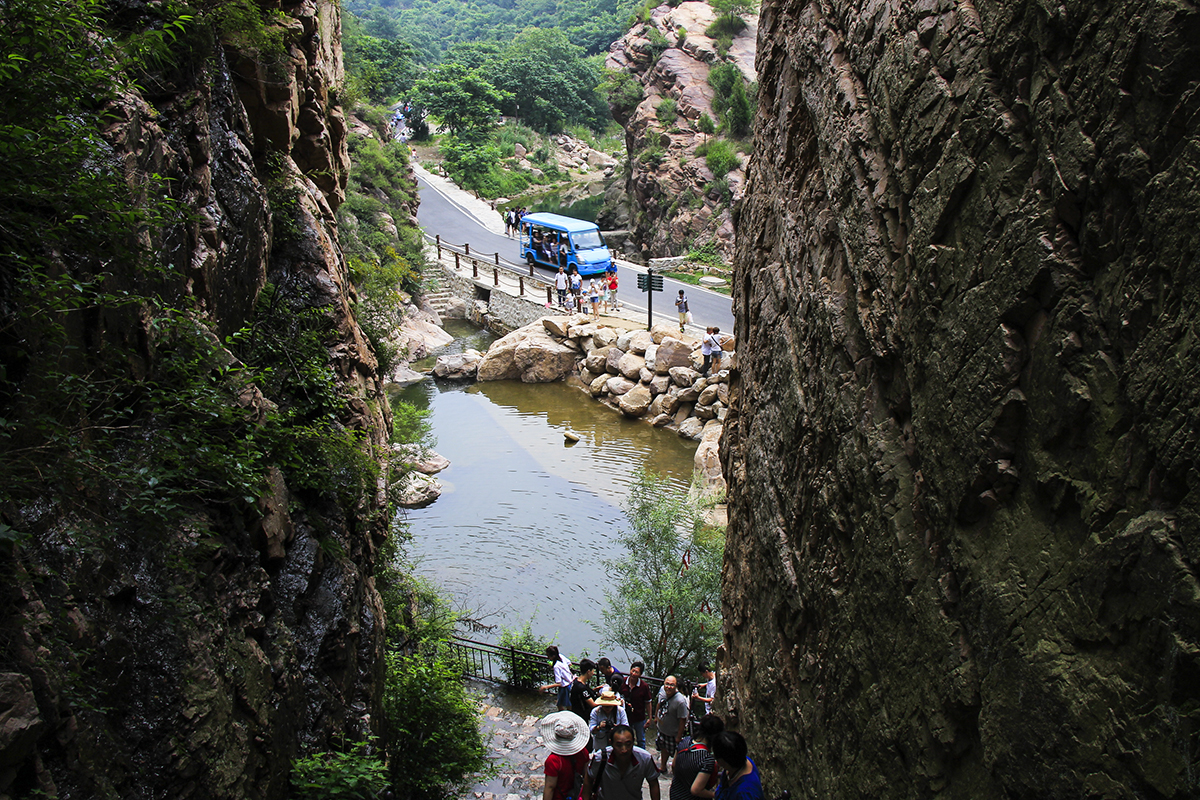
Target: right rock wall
(963,448)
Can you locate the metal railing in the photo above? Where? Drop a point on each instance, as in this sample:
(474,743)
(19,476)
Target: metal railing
(497,663)
(523,273)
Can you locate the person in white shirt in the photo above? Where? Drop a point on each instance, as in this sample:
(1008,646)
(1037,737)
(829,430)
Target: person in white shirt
(562,678)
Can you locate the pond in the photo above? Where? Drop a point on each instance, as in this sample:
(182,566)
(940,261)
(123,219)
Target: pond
(526,519)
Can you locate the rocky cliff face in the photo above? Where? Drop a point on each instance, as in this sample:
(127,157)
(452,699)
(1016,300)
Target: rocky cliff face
(962,455)
(194,661)
(669,199)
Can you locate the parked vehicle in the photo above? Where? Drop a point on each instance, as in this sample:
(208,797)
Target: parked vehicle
(553,240)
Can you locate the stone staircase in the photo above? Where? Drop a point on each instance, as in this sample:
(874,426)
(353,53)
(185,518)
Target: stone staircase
(440,300)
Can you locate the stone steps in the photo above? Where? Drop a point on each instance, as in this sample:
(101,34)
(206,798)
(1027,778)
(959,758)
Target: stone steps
(440,300)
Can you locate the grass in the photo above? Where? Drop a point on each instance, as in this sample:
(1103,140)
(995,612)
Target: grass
(694,279)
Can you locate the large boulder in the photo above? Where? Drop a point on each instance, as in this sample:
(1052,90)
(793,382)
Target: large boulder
(421,334)
(708,460)
(708,396)
(659,384)
(543,360)
(458,366)
(422,459)
(597,386)
(560,325)
(618,386)
(639,341)
(604,337)
(691,428)
(529,354)
(631,366)
(672,353)
(612,363)
(456,308)
(663,330)
(597,359)
(683,376)
(416,490)
(635,402)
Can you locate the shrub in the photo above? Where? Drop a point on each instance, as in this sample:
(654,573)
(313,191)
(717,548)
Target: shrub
(721,158)
(433,737)
(521,671)
(667,111)
(340,776)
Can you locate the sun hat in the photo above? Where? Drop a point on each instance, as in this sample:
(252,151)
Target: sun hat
(608,699)
(565,732)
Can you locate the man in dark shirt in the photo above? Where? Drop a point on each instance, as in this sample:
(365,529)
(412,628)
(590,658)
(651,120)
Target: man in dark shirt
(637,694)
(612,675)
(583,696)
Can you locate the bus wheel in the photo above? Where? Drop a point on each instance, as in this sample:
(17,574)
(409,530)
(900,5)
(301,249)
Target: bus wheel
(529,259)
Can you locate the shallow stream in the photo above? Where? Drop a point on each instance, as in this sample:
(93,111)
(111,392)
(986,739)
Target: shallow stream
(526,519)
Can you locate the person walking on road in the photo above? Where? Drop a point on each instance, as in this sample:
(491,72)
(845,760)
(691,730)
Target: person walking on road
(681,305)
(638,695)
(560,283)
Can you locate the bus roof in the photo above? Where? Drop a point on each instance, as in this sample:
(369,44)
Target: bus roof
(568,224)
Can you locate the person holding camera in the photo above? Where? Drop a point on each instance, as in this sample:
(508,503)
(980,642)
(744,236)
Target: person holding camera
(608,714)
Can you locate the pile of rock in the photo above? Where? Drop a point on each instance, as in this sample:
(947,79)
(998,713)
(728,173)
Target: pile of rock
(648,374)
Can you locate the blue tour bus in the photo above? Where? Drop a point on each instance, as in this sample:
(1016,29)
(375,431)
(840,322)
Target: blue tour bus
(542,233)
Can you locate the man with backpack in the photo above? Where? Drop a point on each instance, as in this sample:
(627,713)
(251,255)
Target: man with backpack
(617,771)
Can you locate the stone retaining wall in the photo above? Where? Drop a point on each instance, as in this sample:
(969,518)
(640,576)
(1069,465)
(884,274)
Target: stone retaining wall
(505,309)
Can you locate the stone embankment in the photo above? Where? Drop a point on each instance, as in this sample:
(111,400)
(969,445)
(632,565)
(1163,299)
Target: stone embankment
(652,375)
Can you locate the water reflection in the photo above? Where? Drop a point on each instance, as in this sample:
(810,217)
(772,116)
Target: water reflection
(525,519)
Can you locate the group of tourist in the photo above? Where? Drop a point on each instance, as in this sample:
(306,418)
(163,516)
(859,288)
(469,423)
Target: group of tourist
(597,739)
(512,220)
(602,292)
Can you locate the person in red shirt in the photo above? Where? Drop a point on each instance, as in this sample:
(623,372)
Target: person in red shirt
(566,735)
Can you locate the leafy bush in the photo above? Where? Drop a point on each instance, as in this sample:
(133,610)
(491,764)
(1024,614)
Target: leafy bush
(433,738)
(356,775)
(706,126)
(623,92)
(652,156)
(519,670)
(721,158)
(667,111)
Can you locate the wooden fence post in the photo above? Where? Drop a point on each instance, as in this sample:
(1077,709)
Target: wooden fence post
(496,276)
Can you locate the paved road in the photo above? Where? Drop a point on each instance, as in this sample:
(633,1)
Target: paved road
(440,214)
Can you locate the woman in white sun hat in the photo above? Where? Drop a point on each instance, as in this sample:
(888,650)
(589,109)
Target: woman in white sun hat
(566,735)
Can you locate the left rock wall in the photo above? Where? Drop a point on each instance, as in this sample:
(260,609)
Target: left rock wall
(124,675)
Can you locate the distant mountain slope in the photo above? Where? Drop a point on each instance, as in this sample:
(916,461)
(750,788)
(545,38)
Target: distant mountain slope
(678,195)
(434,25)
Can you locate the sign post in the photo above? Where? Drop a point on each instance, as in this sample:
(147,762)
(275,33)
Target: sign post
(650,283)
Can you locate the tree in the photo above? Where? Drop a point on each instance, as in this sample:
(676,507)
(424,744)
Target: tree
(461,97)
(665,600)
(734,8)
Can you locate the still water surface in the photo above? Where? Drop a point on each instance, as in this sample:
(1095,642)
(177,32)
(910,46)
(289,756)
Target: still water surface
(525,520)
